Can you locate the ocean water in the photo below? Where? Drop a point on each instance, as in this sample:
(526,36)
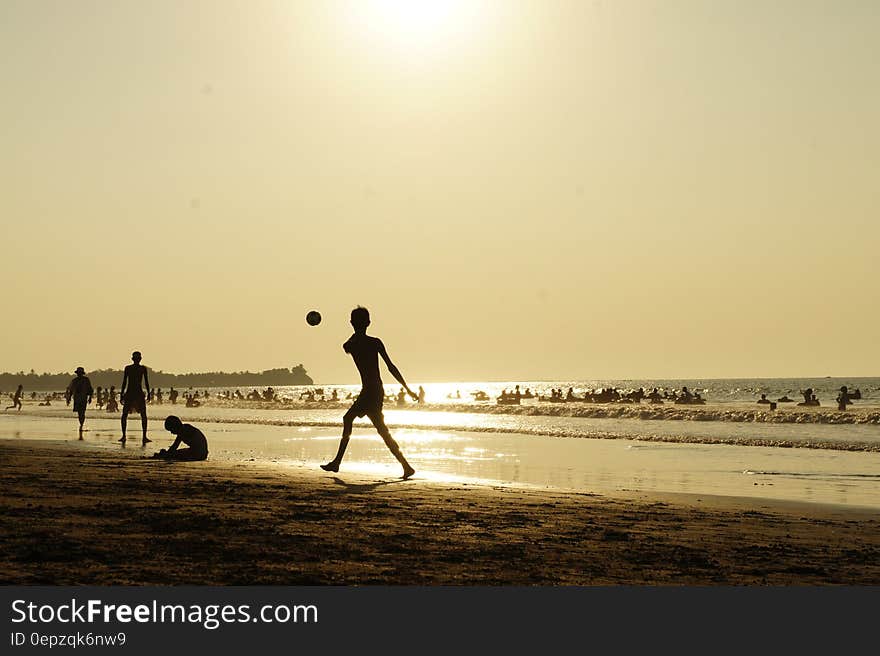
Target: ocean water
(731,414)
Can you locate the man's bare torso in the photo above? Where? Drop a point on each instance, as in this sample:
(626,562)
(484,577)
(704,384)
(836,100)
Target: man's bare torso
(365,352)
(134,374)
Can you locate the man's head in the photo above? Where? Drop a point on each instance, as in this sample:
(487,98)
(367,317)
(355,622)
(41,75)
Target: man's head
(80,371)
(360,319)
(136,357)
(173,424)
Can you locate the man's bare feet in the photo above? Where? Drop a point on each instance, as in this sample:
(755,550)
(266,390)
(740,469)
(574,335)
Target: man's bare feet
(331,467)
(407,472)
(146,440)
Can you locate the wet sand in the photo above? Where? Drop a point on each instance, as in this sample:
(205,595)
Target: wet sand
(73,517)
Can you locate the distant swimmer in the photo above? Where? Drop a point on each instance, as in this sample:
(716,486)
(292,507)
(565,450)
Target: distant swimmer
(809,398)
(843,399)
(112,404)
(764,399)
(655,396)
(16,399)
(187,434)
(365,351)
(80,392)
(784,399)
(134,398)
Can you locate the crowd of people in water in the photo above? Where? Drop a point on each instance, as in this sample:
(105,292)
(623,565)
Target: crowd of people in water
(601,395)
(844,398)
(108,399)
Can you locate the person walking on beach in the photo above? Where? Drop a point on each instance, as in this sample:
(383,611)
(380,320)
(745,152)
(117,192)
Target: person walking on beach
(133,394)
(80,390)
(16,399)
(189,435)
(365,351)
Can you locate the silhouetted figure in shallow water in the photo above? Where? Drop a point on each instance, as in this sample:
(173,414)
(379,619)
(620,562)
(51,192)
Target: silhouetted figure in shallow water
(112,404)
(133,393)
(366,351)
(16,398)
(843,399)
(763,399)
(80,391)
(809,397)
(186,434)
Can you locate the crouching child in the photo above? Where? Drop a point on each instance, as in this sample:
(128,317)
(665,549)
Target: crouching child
(186,434)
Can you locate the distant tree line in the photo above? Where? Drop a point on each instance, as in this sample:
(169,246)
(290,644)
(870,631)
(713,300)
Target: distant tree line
(33,381)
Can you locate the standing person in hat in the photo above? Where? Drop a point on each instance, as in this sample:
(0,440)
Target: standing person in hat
(133,393)
(80,390)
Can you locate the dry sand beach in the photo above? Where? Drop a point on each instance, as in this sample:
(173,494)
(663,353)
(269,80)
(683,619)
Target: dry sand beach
(71,517)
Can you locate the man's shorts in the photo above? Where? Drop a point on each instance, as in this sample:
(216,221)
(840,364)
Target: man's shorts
(134,402)
(79,405)
(368,402)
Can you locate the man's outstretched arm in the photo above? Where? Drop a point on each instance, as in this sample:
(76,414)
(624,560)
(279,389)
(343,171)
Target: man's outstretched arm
(395,371)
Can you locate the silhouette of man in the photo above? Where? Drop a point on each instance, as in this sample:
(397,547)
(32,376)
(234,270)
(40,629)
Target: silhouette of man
(843,399)
(133,395)
(189,435)
(16,399)
(80,390)
(365,351)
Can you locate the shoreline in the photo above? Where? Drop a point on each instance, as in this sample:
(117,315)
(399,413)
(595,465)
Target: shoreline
(75,517)
(449,454)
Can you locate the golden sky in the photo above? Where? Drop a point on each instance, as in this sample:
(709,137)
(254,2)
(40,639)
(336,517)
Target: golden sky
(546,189)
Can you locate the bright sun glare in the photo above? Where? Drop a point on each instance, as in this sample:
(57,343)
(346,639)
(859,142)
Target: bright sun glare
(416,24)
